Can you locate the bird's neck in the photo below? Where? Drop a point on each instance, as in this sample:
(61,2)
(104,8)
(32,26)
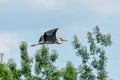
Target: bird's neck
(58,41)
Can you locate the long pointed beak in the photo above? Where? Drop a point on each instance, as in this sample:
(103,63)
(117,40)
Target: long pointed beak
(64,40)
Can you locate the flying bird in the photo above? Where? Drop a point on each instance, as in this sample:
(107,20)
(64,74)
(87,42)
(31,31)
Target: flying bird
(49,37)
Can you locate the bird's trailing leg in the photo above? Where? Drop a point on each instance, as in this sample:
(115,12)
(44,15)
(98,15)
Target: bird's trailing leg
(35,44)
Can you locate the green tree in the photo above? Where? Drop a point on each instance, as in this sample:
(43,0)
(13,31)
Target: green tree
(25,61)
(9,72)
(4,72)
(69,73)
(93,61)
(15,73)
(93,57)
(44,67)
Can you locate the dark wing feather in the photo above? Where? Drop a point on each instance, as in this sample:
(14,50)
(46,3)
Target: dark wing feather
(50,36)
(41,39)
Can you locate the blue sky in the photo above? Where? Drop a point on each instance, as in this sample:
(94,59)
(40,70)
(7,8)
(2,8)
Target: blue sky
(26,20)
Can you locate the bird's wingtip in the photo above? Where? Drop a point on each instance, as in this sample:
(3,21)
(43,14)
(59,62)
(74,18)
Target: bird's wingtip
(57,28)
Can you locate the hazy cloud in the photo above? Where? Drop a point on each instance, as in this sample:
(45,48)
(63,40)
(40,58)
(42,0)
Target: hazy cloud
(9,42)
(2,2)
(69,6)
(96,6)
(44,4)
(102,6)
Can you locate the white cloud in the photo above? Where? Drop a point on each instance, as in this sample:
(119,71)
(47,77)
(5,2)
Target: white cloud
(2,2)
(44,4)
(9,42)
(70,6)
(103,6)
(97,6)
(47,3)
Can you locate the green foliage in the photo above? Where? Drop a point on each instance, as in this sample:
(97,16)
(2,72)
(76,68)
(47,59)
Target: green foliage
(92,67)
(43,64)
(16,73)
(53,56)
(4,72)
(93,58)
(99,41)
(84,70)
(69,73)
(25,60)
(9,72)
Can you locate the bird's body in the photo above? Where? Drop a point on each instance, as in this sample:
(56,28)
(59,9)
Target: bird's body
(49,37)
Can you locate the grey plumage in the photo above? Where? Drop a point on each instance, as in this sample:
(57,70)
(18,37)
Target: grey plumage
(49,37)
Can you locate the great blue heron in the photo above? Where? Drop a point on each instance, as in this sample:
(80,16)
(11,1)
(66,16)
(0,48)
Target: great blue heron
(49,37)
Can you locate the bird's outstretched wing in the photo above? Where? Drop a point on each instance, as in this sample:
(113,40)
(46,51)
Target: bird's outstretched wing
(49,36)
(41,40)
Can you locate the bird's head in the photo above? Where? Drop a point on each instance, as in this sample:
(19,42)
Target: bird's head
(60,40)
